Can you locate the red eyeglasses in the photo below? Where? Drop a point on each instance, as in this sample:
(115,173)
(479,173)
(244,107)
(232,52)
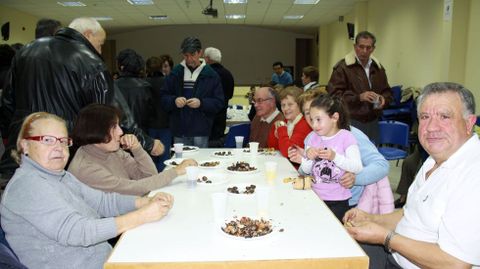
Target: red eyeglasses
(51,140)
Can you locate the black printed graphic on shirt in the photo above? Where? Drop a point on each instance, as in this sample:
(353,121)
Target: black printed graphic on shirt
(326,171)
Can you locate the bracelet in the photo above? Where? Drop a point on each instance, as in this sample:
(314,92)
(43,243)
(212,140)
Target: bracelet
(389,237)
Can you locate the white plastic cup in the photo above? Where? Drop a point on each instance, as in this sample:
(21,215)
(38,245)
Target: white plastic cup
(192,175)
(253,147)
(263,196)
(178,148)
(219,205)
(239,142)
(271,170)
(376,104)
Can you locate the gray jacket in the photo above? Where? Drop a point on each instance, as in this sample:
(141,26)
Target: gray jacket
(52,220)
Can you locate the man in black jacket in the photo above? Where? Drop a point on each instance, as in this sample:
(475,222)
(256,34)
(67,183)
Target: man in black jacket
(193,95)
(61,75)
(213,57)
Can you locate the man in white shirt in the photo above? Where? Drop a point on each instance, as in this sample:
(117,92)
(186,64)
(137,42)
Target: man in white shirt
(437,228)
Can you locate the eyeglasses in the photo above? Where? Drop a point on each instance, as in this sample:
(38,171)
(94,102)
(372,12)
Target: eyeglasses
(259,101)
(51,140)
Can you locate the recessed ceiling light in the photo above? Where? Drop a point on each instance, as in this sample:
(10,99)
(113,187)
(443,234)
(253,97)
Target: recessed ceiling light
(293,17)
(235,16)
(235,1)
(72,4)
(158,17)
(306,2)
(103,18)
(140,2)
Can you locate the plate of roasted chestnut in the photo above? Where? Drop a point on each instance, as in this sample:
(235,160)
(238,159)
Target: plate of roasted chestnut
(223,154)
(246,189)
(247,228)
(210,179)
(209,164)
(262,151)
(173,162)
(242,167)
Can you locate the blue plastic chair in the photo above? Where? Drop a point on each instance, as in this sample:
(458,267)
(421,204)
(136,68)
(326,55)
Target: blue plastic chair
(242,129)
(398,110)
(393,140)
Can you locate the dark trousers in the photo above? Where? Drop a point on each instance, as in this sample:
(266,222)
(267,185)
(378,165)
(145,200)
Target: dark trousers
(339,208)
(410,167)
(379,258)
(165,136)
(369,128)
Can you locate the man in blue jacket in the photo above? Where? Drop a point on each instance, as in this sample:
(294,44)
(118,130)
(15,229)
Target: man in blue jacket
(193,95)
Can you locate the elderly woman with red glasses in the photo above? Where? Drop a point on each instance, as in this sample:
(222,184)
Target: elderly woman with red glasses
(52,220)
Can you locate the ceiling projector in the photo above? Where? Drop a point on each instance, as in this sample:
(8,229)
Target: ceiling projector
(210,11)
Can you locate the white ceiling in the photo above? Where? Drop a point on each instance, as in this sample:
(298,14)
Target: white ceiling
(265,13)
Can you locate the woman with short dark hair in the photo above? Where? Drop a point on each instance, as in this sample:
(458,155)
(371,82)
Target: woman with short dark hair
(102,161)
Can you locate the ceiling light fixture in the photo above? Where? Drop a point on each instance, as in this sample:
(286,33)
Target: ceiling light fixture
(105,18)
(140,2)
(235,16)
(306,2)
(72,4)
(235,1)
(293,17)
(158,17)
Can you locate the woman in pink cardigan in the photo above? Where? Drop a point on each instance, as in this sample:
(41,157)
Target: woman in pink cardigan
(377,198)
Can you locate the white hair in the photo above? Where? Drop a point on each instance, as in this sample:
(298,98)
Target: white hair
(213,53)
(84,24)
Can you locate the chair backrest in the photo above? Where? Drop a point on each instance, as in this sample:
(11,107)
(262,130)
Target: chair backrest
(242,129)
(393,132)
(397,95)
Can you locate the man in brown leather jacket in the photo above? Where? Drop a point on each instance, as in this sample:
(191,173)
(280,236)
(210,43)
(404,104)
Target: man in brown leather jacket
(361,81)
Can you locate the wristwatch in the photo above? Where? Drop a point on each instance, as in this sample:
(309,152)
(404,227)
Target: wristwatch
(389,237)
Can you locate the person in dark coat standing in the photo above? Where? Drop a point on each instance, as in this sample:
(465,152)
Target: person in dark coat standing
(135,90)
(192,94)
(158,125)
(213,57)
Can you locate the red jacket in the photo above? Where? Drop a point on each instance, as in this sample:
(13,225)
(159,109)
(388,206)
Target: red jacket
(300,131)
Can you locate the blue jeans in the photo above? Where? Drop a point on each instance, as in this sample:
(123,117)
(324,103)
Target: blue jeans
(165,136)
(198,141)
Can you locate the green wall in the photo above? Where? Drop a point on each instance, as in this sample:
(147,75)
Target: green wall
(414,42)
(22,25)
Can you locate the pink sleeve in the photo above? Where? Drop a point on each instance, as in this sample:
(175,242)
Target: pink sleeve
(385,196)
(365,202)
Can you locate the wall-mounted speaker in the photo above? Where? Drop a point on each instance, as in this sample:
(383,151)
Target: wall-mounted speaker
(6,31)
(350,30)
